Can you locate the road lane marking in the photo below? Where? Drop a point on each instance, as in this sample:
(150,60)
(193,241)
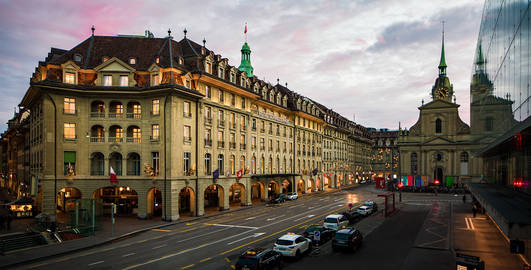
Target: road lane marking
(107,249)
(159,246)
(188,266)
(125,245)
(63,259)
(311,207)
(142,241)
(467,224)
(249,236)
(38,265)
(201,235)
(338,200)
(253,217)
(294,206)
(127,255)
(227,259)
(190,223)
(161,230)
(281,231)
(269,219)
(233,226)
(205,259)
(308,216)
(94,263)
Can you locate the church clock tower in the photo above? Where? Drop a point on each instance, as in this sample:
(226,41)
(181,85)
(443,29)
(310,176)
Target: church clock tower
(442,89)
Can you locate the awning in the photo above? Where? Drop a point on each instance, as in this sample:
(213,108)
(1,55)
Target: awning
(22,201)
(510,209)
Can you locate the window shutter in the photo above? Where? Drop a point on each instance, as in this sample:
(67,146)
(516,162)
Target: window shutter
(70,157)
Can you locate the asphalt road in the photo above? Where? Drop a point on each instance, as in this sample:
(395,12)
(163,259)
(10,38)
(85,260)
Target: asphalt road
(215,242)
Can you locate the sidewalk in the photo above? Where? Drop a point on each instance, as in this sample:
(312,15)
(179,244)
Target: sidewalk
(103,237)
(478,236)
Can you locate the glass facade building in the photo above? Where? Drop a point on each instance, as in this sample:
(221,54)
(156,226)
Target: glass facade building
(500,93)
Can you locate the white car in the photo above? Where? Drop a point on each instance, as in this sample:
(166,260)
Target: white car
(335,222)
(364,210)
(292,245)
(292,196)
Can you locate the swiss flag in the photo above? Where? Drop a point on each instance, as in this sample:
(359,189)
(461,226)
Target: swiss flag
(113,177)
(239,173)
(245,31)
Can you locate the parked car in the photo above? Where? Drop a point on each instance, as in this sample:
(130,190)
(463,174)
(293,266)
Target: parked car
(259,259)
(325,233)
(371,204)
(364,210)
(347,239)
(352,216)
(292,245)
(292,196)
(335,222)
(279,198)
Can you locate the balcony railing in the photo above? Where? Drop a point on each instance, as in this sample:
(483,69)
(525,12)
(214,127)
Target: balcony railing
(208,120)
(232,145)
(116,115)
(262,148)
(208,142)
(221,123)
(154,138)
(243,146)
(132,140)
(187,139)
(97,139)
(243,128)
(253,128)
(221,144)
(232,125)
(97,115)
(262,130)
(284,134)
(97,172)
(270,132)
(187,114)
(278,133)
(134,115)
(115,139)
(270,149)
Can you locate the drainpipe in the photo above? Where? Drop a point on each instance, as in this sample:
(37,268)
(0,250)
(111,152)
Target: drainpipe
(55,151)
(197,157)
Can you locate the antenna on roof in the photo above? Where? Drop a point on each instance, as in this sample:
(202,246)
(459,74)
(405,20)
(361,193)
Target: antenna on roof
(286,84)
(169,33)
(204,42)
(185,31)
(92,28)
(278,80)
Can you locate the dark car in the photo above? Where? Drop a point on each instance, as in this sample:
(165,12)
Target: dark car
(347,239)
(279,198)
(259,259)
(325,233)
(352,216)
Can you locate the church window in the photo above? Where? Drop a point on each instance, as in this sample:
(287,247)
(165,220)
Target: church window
(489,123)
(438,126)
(414,163)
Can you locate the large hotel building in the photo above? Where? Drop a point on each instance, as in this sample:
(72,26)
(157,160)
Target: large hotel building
(183,130)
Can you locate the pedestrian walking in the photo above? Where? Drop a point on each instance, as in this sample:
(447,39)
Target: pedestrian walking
(464,198)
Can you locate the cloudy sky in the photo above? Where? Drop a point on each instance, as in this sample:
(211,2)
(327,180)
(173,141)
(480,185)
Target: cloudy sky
(373,59)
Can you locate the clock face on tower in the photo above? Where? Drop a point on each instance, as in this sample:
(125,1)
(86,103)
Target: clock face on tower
(442,92)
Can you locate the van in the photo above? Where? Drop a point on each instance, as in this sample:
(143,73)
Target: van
(335,222)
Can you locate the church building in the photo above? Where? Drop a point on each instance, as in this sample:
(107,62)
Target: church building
(437,148)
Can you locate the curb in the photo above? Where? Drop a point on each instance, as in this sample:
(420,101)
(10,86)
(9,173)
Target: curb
(129,234)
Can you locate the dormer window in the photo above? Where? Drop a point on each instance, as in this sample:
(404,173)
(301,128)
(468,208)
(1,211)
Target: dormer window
(220,73)
(187,83)
(107,80)
(124,80)
(132,61)
(180,61)
(157,60)
(70,77)
(232,80)
(208,67)
(155,79)
(77,57)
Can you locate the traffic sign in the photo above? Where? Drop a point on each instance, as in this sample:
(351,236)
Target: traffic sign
(317,236)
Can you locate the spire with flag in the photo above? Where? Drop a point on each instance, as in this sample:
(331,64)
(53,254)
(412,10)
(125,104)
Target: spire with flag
(245,64)
(245,32)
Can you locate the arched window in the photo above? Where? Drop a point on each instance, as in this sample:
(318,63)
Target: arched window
(277,168)
(96,164)
(438,126)
(242,163)
(133,164)
(270,165)
(414,167)
(262,164)
(253,165)
(220,164)
(284,166)
(489,123)
(232,164)
(208,167)
(115,162)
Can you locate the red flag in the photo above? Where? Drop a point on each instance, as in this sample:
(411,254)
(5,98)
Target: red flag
(239,173)
(245,32)
(113,177)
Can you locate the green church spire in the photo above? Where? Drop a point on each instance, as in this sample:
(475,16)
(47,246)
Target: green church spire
(442,64)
